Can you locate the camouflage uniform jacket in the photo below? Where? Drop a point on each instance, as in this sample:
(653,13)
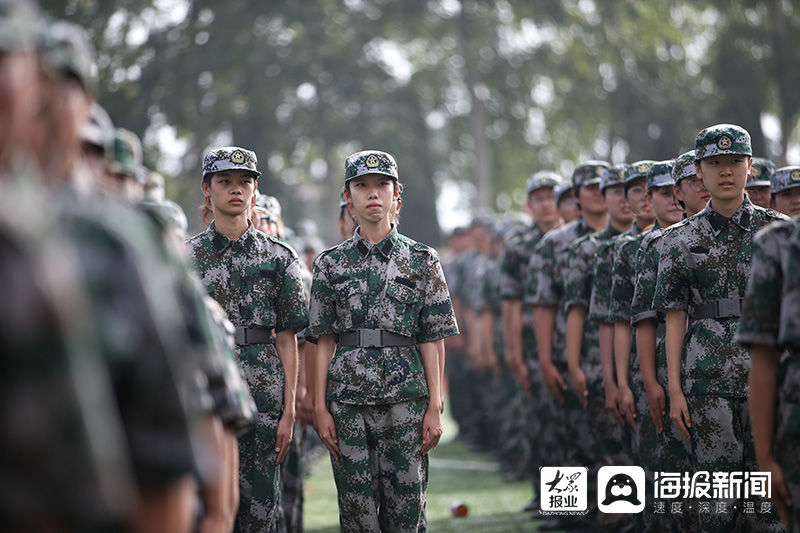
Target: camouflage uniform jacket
(789,331)
(605,262)
(475,277)
(545,278)
(765,313)
(703,259)
(514,274)
(257,281)
(623,279)
(395,285)
(514,263)
(578,276)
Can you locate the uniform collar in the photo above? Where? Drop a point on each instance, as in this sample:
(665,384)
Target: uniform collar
(385,247)
(741,217)
(635,229)
(220,242)
(609,232)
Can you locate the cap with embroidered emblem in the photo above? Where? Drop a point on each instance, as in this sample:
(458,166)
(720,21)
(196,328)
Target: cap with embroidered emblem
(230,158)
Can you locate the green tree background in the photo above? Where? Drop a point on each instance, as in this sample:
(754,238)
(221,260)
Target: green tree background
(478,93)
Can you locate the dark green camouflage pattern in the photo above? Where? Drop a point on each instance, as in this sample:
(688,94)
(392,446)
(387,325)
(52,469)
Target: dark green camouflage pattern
(588,173)
(381,462)
(613,175)
(683,166)
(703,259)
(126,153)
(761,172)
(230,158)
(785,178)
(542,179)
(396,285)
(722,139)
(638,170)
(369,162)
(660,175)
(257,281)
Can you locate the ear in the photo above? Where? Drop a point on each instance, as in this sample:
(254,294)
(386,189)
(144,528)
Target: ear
(205,186)
(697,170)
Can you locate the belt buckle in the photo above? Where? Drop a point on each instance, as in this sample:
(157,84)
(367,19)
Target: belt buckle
(240,336)
(728,307)
(369,338)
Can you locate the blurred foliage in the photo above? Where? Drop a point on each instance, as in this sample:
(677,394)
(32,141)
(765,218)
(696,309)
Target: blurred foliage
(474,91)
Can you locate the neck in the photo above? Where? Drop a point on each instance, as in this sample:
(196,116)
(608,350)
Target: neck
(552,225)
(232,227)
(620,225)
(375,232)
(644,222)
(663,223)
(597,221)
(727,208)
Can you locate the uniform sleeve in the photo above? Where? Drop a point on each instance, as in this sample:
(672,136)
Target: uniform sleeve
(322,310)
(511,266)
(540,289)
(292,312)
(646,272)
(623,273)
(577,276)
(600,299)
(762,301)
(436,319)
(673,280)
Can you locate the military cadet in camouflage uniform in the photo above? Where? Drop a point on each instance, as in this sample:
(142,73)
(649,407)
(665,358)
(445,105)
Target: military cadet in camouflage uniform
(256,279)
(601,438)
(631,371)
(518,319)
(566,203)
(689,189)
(379,302)
(772,375)
(702,273)
(759,181)
(786,191)
(544,291)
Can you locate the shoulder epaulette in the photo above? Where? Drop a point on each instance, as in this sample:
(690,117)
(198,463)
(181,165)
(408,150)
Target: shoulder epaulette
(282,244)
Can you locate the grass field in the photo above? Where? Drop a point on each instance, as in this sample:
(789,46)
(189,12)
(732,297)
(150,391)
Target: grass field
(455,474)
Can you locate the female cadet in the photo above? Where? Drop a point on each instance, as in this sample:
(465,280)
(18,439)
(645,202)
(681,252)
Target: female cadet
(379,303)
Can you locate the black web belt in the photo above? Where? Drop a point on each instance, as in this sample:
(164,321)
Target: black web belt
(374,338)
(253,335)
(724,308)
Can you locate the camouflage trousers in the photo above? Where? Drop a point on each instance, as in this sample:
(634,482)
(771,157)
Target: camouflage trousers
(722,441)
(259,479)
(787,435)
(292,475)
(382,478)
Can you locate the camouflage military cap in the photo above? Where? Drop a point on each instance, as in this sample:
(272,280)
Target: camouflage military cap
(126,153)
(482,219)
(785,178)
(20,25)
(683,167)
(561,189)
(230,158)
(638,170)
(614,175)
(168,213)
(98,130)
(541,180)
(722,139)
(369,162)
(588,173)
(660,174)
(66,49)
(761,172)
(154,186)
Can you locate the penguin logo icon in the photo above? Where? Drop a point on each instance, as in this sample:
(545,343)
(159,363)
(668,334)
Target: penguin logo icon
(621,489)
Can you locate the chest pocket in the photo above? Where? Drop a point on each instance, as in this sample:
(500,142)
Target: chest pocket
(400,312)
(265,296)
(350,311)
